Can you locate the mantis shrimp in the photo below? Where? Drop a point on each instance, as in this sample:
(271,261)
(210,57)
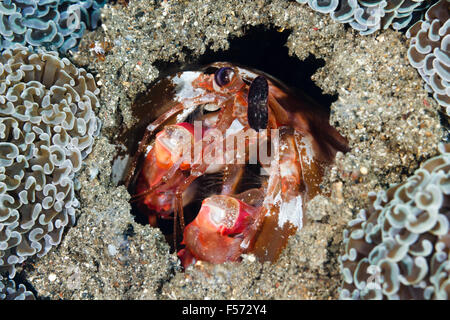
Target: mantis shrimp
(219,122)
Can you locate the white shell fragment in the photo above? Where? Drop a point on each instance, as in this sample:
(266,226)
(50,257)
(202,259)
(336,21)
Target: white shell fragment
(47,125)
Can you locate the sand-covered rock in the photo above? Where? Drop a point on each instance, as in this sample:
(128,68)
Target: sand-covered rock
(391,124)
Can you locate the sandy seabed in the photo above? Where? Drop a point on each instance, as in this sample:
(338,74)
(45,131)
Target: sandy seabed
(391,124)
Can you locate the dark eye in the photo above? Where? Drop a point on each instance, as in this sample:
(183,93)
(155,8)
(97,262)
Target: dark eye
(257,110)
(223,76)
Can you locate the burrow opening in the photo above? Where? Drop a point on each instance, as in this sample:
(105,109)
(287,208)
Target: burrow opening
(262,48)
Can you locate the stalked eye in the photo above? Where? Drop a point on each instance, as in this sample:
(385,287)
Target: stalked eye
(257,111)
(223,76)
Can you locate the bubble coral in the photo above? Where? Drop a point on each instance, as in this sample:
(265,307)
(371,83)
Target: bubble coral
(9,291)
(368,16)
(47,125)
(399,249)
(52,24)
(429,51)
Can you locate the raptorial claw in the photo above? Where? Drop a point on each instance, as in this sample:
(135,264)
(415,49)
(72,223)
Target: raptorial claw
(220,231)
(162,170)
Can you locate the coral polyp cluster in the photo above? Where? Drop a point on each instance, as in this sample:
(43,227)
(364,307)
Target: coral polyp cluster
(52,24)
(399,248)
(368,16)
(47,125)
(10,291)
(429,51)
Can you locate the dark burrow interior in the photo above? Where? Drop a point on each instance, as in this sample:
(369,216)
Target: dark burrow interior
(261,48)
